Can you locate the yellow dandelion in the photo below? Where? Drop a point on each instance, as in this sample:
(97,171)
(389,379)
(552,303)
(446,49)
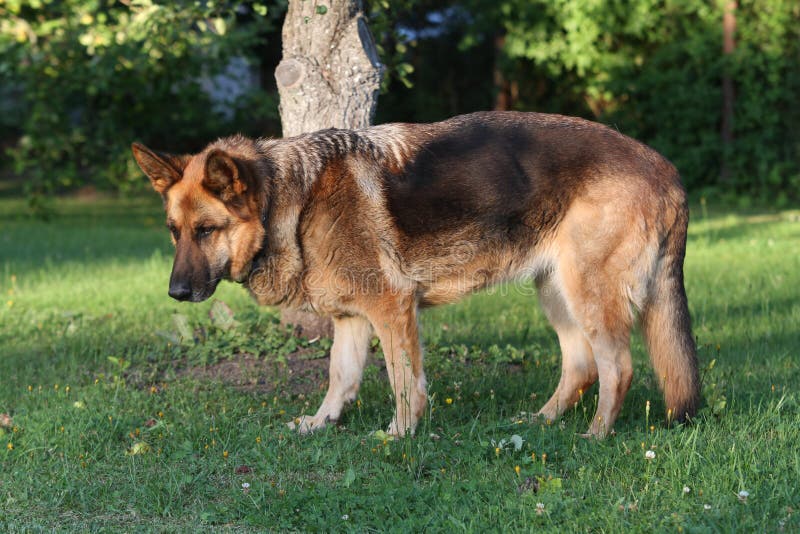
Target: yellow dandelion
(10,446)
(67,389)
(160,415)
(55,387)
(225,454)
(448,400)
(516,469)
(30,388)
(258,439)
(497,451)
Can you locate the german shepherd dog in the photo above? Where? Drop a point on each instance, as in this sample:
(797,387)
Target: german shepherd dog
(368,226)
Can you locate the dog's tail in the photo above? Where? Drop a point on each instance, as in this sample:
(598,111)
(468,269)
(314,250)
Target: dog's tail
(667,326)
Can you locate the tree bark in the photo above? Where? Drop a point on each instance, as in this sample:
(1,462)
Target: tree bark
(504,90)
(329,76)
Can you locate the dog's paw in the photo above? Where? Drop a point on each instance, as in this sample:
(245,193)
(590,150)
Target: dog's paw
(307,424)
(542,417)
(394,430)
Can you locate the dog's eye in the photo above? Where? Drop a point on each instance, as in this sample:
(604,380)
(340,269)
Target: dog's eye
(205,231)
(176,234)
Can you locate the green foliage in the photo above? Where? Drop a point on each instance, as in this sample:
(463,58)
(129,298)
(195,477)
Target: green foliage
(392,48)
(654,69)
(91,76)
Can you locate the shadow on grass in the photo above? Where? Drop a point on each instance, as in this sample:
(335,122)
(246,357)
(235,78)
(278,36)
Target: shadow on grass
(82,231)
(719,228)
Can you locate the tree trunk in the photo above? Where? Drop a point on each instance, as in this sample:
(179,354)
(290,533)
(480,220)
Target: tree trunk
(329,76)
(728,91)
(504,97)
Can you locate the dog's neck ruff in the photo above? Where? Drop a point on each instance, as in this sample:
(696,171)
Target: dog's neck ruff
(276,270)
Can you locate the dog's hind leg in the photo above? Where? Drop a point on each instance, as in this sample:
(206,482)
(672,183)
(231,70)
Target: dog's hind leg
(578,368)
(605,318)
(605,259)
(351,337)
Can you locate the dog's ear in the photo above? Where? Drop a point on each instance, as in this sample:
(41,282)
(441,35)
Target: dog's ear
(223,178)
(162,169)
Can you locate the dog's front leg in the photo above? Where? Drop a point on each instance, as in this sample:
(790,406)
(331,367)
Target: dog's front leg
(351,337)
(395,321)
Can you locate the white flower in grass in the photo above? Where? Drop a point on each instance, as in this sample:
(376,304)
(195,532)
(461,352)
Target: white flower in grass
(706,507)
(686,489)
(743,495)
(539,508)
(650,455)
(345,517)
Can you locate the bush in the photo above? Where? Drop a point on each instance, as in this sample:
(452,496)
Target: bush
(91,76)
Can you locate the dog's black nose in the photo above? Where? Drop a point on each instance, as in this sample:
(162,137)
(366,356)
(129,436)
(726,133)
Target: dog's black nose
(180,291)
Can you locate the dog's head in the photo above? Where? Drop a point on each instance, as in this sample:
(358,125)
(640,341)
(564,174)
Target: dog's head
(213,206)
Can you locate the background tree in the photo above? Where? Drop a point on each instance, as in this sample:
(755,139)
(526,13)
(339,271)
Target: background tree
(329,77)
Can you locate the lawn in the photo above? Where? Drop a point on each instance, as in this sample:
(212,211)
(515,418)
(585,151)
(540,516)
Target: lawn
(130,411)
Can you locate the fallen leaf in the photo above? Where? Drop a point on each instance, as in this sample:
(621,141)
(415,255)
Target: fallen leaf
(221,315)
(243,470)
(181,323)
(140,447)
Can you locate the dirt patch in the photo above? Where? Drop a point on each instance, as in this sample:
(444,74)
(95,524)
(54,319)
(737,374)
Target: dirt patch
(298,374)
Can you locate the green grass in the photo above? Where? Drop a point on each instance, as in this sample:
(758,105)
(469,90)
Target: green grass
(92,285)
